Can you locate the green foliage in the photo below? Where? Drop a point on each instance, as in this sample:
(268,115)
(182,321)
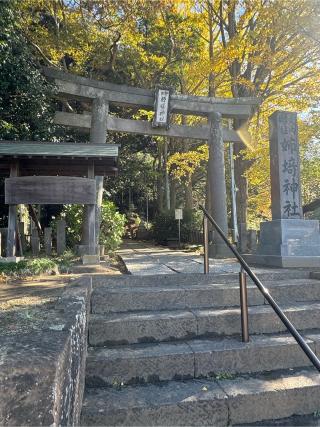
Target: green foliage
(192,221)
(111,227)
(137,174)
(29,267)
(225,376)
(74,217)
(24,93)
(65,261)
(166,226)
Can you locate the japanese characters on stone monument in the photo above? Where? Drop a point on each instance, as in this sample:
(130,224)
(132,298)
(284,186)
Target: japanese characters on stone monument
(285,166)
(288,240)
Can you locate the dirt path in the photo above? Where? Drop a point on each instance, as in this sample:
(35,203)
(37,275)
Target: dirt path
(26,304)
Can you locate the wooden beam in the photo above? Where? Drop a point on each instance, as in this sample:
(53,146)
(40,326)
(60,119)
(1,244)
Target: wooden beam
(115,124)
(46,190)
(77,87)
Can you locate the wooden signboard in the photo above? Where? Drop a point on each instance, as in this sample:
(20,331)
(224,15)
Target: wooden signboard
(50,190)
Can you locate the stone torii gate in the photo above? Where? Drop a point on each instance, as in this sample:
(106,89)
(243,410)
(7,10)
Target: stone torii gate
(99,122)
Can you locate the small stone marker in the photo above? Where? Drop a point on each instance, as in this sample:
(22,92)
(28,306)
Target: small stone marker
(61,236)
(35,242)
(22,236)
(48,240)
(285,166)
(243,238)
(252,238)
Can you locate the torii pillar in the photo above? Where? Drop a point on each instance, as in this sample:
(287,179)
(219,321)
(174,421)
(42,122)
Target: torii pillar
(98,135)
(217,185)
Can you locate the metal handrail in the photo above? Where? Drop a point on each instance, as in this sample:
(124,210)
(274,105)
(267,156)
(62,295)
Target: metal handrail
(265,292)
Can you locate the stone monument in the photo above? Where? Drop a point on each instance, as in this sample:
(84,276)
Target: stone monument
(288,240)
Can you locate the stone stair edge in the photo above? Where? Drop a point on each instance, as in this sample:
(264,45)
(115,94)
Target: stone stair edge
(206,402)
(194,311)
(126,328)
(104,289)
(284,274)
(197,358)
(135,299)
(217,343)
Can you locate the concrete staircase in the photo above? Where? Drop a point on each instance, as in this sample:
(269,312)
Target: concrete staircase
(166,351)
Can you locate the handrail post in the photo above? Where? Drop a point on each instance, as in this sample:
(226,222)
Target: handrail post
(205,245)
(244,306)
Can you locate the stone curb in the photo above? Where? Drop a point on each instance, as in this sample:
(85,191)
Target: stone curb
(42,372)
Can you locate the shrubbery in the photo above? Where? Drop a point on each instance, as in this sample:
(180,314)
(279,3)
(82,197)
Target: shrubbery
(166,226)
(111,227)
(29,267)
(36,266)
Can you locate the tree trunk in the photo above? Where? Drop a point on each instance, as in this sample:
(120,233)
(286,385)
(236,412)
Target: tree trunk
(173,194)
(188,195)
(160,193)
(166,175)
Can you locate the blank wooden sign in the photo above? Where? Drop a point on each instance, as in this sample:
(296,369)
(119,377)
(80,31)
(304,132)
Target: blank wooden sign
(50,190)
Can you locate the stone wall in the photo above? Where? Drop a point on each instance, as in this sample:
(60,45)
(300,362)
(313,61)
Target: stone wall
(42,373)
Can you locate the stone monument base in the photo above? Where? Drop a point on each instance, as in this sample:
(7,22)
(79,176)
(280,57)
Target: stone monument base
(288,243)
(90,259)
(219,250)
(84,249)
(283,261)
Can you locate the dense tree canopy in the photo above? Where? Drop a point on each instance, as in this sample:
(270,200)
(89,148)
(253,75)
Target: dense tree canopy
(24,93)
(228,48)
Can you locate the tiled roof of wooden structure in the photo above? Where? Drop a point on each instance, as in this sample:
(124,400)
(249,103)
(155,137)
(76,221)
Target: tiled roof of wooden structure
(47,158)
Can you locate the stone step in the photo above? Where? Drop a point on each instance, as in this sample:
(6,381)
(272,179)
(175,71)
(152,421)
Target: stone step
(205,402)
(265,274)
(114,299)
(143,363)
(157,326)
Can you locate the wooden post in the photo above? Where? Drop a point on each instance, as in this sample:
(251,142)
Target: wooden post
(12,218)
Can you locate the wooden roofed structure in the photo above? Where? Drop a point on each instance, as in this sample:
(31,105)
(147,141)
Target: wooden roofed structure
(54,173)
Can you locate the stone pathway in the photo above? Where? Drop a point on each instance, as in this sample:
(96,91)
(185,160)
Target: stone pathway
(144,259)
